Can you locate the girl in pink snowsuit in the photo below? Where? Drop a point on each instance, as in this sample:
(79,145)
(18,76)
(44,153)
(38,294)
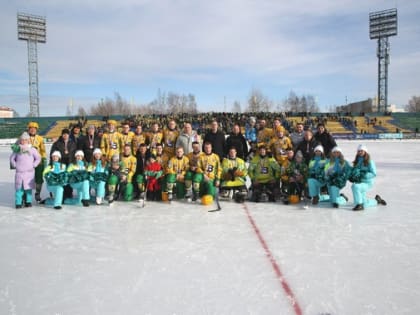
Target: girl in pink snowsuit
(24,159)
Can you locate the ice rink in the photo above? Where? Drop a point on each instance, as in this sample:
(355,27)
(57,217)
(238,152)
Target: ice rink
(251,258)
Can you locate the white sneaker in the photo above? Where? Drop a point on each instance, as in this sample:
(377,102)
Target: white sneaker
(98,200)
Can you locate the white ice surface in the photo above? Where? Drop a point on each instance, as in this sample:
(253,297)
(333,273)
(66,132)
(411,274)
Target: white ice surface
(181,259)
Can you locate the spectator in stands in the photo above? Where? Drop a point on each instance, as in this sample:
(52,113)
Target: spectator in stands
(89,142)
(323,137)
(24,160)
(217,139)
(37,142)
(238,141)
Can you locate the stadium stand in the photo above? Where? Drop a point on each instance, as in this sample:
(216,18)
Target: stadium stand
(51,127)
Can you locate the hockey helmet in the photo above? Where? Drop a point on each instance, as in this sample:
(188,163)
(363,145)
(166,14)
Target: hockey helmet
(33,124)
(293,199)
(112,122)
(207,200)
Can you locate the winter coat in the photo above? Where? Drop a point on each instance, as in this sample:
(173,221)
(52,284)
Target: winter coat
(87,144)
(25,162)
(218,141)
(326,140)
(337,172)
(185,141)
(307,149)
(362,173)
(316,169)
(251,133)
(296,138)
(153,171)
(59,145)
(239,142)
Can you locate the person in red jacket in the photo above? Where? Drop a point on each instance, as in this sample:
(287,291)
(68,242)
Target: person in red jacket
(154,173)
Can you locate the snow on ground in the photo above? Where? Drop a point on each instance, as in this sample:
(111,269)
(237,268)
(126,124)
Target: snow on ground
(249,258)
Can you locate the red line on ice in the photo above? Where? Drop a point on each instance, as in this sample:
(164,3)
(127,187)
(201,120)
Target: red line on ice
(286,287)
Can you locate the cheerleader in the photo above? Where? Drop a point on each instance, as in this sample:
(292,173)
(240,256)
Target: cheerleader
(56,177)
(98,175)
(79,178)
(363,177)
(337,171)
(316,178)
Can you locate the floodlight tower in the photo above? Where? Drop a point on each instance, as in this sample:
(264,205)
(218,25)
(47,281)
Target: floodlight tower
(33,29)
(383,24)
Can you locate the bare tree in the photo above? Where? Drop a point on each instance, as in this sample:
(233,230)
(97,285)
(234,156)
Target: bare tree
(413,105)
(236,107)
(304,103)
(257,102)
(108,107)
(192,104)
(292,102)
(81,112)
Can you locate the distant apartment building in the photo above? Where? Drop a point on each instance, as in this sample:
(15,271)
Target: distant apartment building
(366,106)
(6,112)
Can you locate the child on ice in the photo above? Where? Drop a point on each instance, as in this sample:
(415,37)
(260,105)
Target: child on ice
(24,159)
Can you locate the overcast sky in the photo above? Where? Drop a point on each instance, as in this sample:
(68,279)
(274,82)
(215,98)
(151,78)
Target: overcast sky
(217,50)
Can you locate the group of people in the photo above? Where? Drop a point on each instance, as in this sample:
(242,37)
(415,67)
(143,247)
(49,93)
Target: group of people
(164,163)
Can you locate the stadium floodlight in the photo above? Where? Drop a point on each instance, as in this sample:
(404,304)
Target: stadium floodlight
(32,28)
(383,24)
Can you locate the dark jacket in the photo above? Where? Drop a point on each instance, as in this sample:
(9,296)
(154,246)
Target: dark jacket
(87,144)
(218,142)
(307,149)
(239,142)
(141,162)
(59,145)
(327,141)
